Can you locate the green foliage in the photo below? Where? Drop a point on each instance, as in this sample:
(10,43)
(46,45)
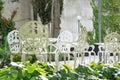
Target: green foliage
(65,73)
(1,6)
(110,17)
(117,64)
(96,66)
(4,54)
(84,71)
(6,25)
(103,71)
(17,58)
(109,72)
(90,37)
(38,71)
(1,52)
(95,23)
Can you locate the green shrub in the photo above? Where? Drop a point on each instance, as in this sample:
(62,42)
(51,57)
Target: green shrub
(6,25)
(38,71)
(17,58)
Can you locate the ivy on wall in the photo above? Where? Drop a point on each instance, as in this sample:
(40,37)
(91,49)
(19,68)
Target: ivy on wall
(110,18)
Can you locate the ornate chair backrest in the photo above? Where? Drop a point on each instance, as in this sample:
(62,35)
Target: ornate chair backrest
(82,38)
(64,41)
(111,45)
(112,42)
(14,42)
(34,37)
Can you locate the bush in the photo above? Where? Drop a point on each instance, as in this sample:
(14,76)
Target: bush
(44,71)
(6,25)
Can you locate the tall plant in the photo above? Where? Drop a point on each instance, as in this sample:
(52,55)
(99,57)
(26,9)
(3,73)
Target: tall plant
(6,25)
(110,17)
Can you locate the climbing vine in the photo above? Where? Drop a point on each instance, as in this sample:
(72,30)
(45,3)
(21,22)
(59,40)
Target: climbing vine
(110,17)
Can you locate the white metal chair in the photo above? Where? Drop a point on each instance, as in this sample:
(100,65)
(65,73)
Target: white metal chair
(34,40)
(64,44)
(81,42)
(14,43)
(112,45)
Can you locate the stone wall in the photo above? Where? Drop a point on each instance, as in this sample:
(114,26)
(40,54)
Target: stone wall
(23,8)
(72,9)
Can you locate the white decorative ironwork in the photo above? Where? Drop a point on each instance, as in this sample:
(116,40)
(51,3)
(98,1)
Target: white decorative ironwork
(112,45)
(13,41)
(64,43)
(34,39)
(64,40)
(81,42)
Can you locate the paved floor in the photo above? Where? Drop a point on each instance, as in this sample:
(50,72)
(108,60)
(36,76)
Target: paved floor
(86,61)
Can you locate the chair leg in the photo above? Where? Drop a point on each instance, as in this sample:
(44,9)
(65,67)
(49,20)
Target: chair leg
(114,57)
(118,56)
(57,61)
(24,57)
(65,58)
(82,59)
(89,57)
(106,57)
(104,61)
(41,57)
(11,58)
(49,57)
(75,59)
(46,56)
(68,58)
(100,54)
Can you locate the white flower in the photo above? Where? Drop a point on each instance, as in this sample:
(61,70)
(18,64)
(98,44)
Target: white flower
(21,65)
(14,64)
(43,78)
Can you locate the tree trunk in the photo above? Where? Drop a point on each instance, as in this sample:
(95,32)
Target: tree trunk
(55,18)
